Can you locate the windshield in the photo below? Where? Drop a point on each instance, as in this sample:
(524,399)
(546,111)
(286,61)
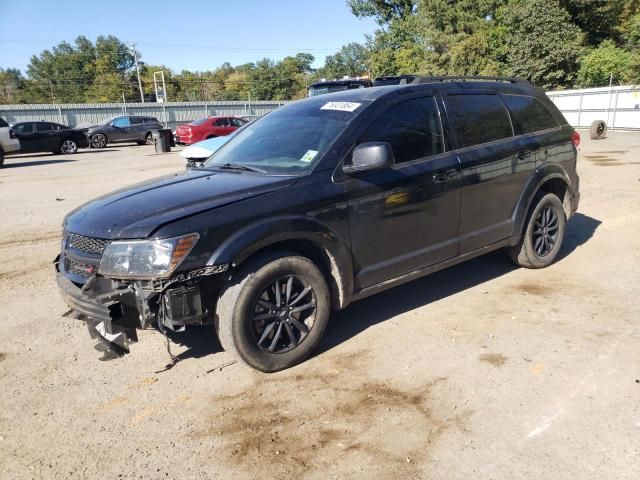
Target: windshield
(287,141)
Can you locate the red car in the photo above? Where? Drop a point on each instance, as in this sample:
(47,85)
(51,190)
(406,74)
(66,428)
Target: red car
(208,127)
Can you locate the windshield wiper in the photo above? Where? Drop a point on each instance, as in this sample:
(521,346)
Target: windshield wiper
(241,167)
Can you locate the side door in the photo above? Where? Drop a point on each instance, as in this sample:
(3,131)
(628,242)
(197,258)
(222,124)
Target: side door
(49,136)
(405,217)
(223,127)
(538,127)
(494,166)
(119,129)
(137,128)
(28,139)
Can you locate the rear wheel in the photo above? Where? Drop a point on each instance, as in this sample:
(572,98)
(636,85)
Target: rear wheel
(543,235)
(273,315)
(99,140)
(68,146)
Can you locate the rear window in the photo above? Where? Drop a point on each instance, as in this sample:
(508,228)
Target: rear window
(529,113)
(479,119)
(411,127)
(200,121)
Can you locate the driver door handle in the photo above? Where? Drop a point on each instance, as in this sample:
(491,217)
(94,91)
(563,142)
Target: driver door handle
(444,176)
(522,154)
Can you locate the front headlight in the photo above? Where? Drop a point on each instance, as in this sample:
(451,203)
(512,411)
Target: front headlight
(145,258)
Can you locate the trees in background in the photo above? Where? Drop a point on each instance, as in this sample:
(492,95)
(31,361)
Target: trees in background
(553,43)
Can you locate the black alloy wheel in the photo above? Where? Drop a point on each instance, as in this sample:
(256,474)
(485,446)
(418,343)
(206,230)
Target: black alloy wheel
(546,231)
(283,314)
(99,141)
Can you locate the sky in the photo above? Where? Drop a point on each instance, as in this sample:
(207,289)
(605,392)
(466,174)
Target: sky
(183,34)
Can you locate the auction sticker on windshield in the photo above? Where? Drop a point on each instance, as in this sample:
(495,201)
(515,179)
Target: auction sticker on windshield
(341,106)
(309,156)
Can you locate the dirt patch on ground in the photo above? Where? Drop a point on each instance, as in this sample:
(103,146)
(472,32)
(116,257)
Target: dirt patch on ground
(495,359)
(2,356)
(265,429)
(534,289)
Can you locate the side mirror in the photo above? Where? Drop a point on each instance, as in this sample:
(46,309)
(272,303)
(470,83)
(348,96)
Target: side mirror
(370,156)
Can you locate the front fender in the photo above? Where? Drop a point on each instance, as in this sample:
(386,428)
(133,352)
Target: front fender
(259,235)
(541,175)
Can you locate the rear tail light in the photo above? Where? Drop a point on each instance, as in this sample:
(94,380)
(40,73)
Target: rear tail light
(575,139)
(12,134)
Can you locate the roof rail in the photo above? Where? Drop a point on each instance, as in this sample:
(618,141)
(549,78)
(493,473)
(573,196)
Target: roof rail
(471,79)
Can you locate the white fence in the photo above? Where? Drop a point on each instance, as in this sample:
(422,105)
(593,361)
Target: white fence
(171,114)
(619,107)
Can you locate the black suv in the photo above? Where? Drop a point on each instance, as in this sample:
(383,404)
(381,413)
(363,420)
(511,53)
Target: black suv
(321,203)
(127,128)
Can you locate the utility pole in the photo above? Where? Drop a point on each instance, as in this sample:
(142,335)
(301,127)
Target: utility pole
(135,58)
(53,97)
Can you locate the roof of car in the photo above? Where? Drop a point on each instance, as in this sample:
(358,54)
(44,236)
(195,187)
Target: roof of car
(373,93)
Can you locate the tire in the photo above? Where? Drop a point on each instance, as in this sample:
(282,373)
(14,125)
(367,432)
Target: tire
(250,315)
(68,147)
(543,234)
(148,139)
(598,130)
(1,158)
(211,136)
(99,140)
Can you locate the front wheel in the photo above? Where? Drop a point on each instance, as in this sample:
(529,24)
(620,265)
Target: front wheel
(543,235)
(68,147)
(274,312)
(98,140)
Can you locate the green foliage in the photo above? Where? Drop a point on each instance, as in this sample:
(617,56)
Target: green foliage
(384,11)
(600,63)
(11,86)
(352,60)
(543,44)
(598,19)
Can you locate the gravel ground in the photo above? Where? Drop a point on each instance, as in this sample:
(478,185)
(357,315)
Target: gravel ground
(480,371)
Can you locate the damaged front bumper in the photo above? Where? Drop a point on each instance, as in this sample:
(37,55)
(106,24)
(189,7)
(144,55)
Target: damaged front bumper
(114,309)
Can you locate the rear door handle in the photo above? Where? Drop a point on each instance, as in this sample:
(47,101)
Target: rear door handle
(522,154)
(444,176)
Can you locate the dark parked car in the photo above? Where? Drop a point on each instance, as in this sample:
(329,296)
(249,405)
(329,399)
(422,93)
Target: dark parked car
(127,128)
(321,203)
(396,80)
(208,127)
(49,137)
(332,86)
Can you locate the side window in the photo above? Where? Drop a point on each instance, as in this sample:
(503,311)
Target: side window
(236,122)
(23,128)
(121,122)
(529,113)
(136,120)
(412,128)
(479,119)
(222,122)
(44,127)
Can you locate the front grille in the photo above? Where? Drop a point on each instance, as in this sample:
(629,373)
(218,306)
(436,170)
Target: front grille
(87,244)
(77,268)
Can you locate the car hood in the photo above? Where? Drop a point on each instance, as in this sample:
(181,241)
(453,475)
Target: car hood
(137,211)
